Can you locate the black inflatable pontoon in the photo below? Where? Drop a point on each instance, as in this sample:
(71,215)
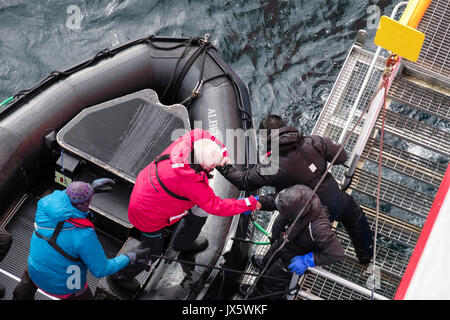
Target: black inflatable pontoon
(109,117)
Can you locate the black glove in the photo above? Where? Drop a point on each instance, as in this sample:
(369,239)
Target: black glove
(268,202)
(139,256)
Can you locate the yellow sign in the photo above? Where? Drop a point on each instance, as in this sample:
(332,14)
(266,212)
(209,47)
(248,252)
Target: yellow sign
(399,38)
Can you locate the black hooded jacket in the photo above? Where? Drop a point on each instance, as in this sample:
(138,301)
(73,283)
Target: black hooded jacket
(311,233)
(301,160)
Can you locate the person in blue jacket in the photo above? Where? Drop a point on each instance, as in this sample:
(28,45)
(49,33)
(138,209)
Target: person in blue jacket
(64,246)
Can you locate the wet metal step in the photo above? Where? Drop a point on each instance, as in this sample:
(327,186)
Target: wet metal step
(393,228)
(434,56)
(390,261)
(416,132)
(405,162)
(420,97)
(391,192)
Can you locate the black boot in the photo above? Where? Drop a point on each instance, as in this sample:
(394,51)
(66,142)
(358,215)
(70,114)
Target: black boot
(130,285)
(125,278)
(257,261)
(244,289)
(188,230)
(199,245)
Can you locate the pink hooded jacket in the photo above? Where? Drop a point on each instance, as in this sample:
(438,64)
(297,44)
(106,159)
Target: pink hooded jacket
(151,208)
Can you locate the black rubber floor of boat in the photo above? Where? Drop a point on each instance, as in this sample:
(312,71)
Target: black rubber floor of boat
(21,228)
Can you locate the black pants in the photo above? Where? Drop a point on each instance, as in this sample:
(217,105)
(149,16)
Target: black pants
(187,231)
(342,207)
(355,223)
(274,282)
(26,289)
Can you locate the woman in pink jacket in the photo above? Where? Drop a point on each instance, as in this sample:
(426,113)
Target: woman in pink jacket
(168,188)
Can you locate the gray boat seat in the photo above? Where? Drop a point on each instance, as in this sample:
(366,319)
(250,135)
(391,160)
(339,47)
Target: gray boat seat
(124,135)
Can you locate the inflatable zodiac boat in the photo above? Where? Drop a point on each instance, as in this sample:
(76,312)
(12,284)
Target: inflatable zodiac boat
(109,117)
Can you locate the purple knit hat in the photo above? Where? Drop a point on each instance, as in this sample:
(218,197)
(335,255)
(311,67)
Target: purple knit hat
(79,192)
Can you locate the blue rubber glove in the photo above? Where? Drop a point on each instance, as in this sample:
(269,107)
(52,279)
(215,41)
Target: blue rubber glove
(299,264)
(249,211)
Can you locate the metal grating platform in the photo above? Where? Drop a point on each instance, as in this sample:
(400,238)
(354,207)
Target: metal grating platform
(356,273)
(420,97)
(434,58)
(414,86)
(392,262)
(405,162)
(391,192)
(417,132)
(339,103)
(393,228)
(328,289)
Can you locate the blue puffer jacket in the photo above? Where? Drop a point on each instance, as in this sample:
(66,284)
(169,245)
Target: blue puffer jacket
(50,270)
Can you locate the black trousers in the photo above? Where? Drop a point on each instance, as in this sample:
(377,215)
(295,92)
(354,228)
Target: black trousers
(274,282)
(187,231)
(343,208)
(355,223)
(26,290)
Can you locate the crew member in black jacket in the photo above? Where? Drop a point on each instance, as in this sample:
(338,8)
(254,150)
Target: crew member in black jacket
(311,242)
(303,160)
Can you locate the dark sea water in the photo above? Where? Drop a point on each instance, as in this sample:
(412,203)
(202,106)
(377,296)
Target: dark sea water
(288,52)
